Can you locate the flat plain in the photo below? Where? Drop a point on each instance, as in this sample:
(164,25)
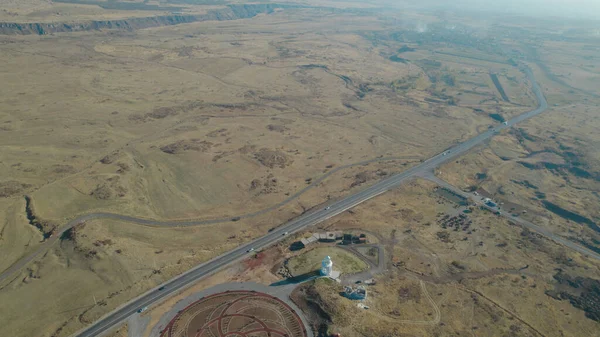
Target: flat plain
(217,119)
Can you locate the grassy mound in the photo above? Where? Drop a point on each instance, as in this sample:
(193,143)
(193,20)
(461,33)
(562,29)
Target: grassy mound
(344,261)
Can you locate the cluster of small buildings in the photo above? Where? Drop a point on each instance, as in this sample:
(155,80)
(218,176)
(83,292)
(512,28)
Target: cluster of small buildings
(358,293)
(348,239)
(322,237)
(345,238)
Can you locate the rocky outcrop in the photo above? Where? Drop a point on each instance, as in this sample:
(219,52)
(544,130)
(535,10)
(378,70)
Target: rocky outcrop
(127,24)
(187,145)
(47,228)
(231,12)
(273,158)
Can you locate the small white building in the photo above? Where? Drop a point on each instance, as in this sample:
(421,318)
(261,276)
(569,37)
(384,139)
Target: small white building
(326,266)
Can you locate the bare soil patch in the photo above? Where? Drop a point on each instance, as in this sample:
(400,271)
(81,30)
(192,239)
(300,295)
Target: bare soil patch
(11,188)
(187,145)
(273,158)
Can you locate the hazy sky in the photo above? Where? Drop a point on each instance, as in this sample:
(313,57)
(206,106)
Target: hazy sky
(571,8)
(552,7)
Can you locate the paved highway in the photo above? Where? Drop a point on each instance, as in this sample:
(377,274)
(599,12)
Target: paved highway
(308,219)
(390,182)
(18,265)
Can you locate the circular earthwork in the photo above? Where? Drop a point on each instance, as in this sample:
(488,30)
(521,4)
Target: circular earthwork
(239,313)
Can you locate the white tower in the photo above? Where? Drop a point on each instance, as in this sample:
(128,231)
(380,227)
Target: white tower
(326,266)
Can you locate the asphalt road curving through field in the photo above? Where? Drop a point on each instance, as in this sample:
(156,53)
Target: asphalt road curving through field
(180,223)
(186,279)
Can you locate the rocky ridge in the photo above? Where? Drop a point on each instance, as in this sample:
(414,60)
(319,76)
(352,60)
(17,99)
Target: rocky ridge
(231,12)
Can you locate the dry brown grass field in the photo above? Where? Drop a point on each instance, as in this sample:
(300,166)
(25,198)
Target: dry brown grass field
(489,280)
(472,275)
(112,262)
(223,118)
(552,158)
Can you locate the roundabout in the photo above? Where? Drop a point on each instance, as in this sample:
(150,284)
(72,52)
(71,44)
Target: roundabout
(236,313)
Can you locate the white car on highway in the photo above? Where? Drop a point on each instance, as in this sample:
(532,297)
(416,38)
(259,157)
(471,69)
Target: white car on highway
(250,250)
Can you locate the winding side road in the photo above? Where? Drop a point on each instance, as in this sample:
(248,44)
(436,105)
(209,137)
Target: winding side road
(519,220)
(18,265)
